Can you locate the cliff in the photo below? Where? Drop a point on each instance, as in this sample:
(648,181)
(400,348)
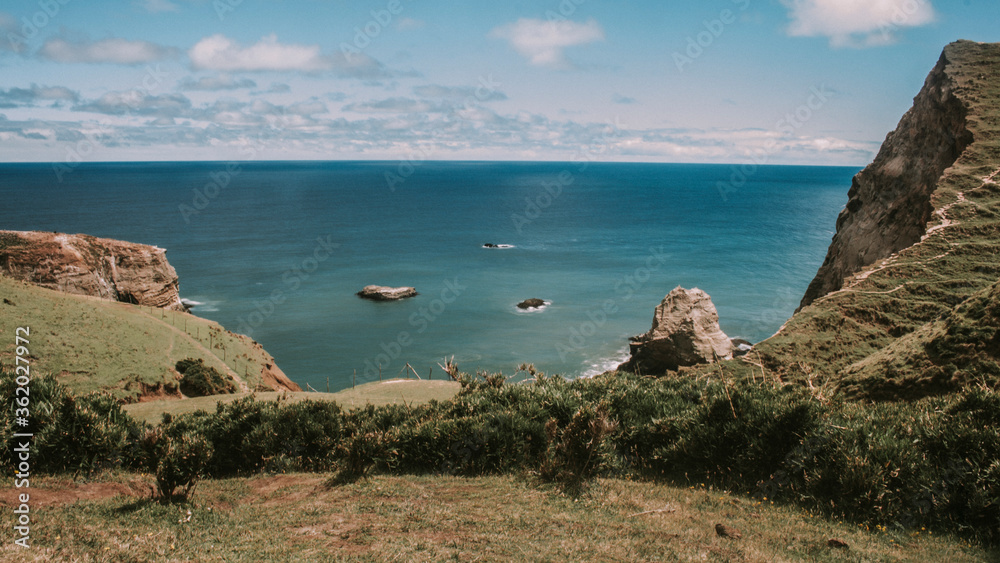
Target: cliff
(48,282)
(904,304)
(86,265)
(889,203)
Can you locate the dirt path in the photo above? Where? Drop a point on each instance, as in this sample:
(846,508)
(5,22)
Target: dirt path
(944,223)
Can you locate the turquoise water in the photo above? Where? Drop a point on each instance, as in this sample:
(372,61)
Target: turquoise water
(277,250)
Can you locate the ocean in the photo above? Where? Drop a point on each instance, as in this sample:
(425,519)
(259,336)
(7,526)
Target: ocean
(277,250)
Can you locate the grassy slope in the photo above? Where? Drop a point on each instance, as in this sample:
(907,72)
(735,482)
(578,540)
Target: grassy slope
(94,345)
(919,284)
(379,393)
(435,518)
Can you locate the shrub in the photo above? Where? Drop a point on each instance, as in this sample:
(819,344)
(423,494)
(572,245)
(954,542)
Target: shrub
(78,434)
(199,380)
(575,452)
(181,461)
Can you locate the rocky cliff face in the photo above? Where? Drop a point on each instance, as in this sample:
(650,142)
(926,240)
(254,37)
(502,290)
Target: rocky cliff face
(905,304)
(685,332)
(86,265)
(889,203)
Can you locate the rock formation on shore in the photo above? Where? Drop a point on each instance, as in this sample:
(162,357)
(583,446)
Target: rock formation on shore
(383,293)
(685,332)
(86,265)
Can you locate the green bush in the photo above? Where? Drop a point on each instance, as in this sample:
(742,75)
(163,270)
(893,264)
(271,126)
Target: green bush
(575,452)
(199,380)
(248,436)
(181,460)
(76,434)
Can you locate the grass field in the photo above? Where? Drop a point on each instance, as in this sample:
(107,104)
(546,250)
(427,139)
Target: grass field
(410,391)
(297,517)
(92,344)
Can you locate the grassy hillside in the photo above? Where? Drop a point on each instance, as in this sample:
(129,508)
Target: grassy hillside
(297,517)
(392,392)
(852,337)
(95,345)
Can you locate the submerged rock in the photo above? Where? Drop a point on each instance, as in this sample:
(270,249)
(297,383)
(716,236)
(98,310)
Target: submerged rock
(383,293)
(685,332)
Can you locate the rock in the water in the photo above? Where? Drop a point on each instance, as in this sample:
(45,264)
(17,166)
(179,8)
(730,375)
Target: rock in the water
(532,303)
(489,245)
(383,293)
(685,332)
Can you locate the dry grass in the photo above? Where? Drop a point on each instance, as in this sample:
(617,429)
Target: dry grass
(396,391)
(439,518)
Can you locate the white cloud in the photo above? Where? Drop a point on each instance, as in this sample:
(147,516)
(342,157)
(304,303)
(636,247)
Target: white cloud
(112,50)
(856,23)
(394,105)
(157,6)
(17,97)
(543,42)
(219,52)
(217,82)
(409,23)
(459,93)
(620,99)
(138,102)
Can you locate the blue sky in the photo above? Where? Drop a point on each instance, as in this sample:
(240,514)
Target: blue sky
(777,81)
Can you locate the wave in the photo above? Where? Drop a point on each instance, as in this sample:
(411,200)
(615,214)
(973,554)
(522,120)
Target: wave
(498,246)
(202,306)
(602,365)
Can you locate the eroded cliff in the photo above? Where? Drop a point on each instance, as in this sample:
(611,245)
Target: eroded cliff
(86,265)
(897,310)
(889,203)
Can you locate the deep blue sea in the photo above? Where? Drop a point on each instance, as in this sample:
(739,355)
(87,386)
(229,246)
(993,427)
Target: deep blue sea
(277,250)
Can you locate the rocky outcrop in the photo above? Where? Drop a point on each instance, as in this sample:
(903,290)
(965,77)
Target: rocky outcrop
(889,203)
(86,265)
(918,321)
(383,293)
(685,332)
(533,303)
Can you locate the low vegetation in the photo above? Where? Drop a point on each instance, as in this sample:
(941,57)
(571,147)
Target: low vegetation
(930,464)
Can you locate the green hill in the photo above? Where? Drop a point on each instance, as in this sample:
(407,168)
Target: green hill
(91,344)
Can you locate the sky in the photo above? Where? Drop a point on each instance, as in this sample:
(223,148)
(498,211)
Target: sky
(817,82)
